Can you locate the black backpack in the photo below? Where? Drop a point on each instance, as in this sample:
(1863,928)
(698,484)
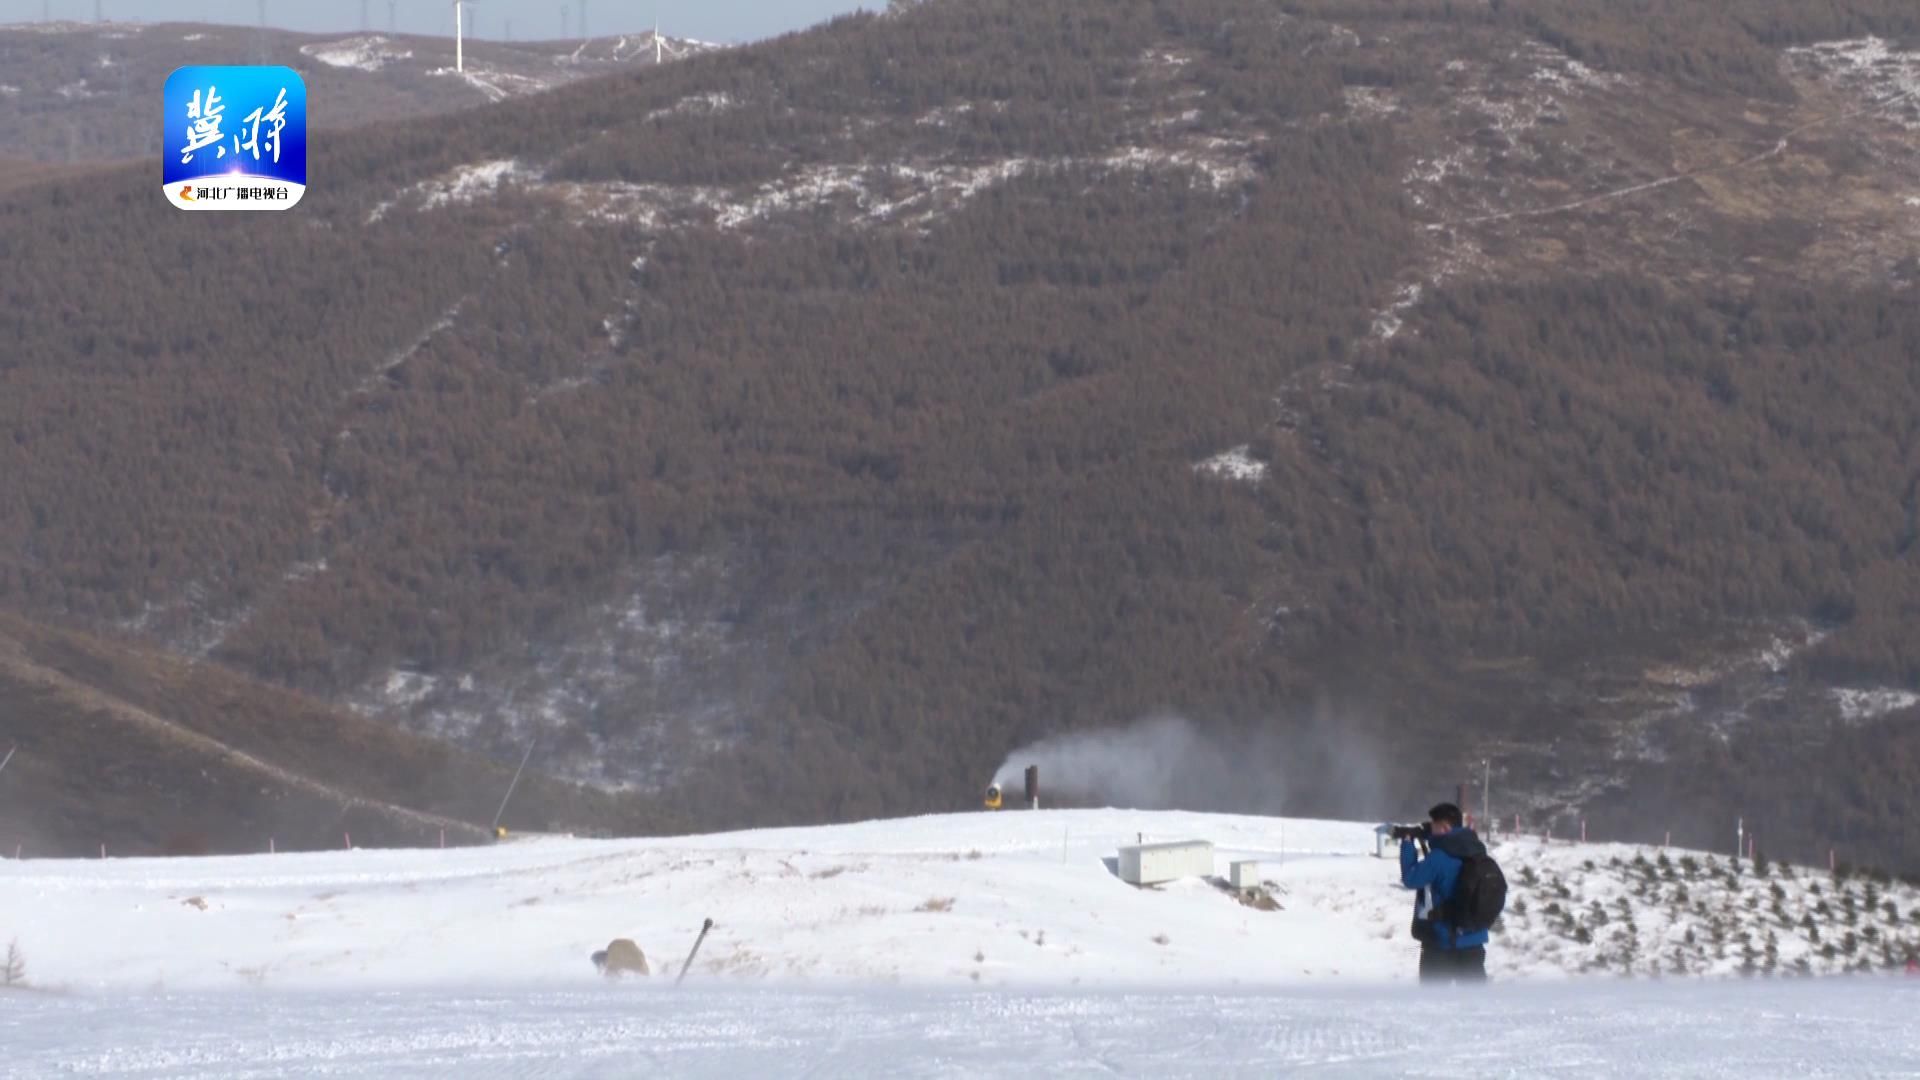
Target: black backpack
(1479,895)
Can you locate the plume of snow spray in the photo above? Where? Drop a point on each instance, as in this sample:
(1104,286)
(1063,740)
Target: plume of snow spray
(1158,762)
(1167,762)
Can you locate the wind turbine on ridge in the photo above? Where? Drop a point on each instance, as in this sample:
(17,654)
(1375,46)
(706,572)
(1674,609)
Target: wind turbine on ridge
(460,34)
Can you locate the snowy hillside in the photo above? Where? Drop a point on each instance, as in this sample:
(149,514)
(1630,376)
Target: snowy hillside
(993,899)
(937,946)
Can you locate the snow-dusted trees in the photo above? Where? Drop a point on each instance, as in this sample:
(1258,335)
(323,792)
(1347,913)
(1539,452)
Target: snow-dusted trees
(14,971)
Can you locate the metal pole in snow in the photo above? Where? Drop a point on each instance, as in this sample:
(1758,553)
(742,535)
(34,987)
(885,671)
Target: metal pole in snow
(1486,800)
(1583,830)
(443,836)
(9,757)
(1668,842)
(704,928)
(103,850)
(511,785)
(271,850)
(349,837)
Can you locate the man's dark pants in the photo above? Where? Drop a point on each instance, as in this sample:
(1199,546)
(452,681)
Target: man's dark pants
(1452,965)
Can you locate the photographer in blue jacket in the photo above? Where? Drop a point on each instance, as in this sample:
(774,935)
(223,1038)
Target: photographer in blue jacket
(1431,858)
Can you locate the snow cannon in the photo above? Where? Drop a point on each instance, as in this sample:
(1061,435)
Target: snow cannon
(997,796)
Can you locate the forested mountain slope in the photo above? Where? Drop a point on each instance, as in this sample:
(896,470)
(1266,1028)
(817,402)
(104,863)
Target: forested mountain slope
(790,432)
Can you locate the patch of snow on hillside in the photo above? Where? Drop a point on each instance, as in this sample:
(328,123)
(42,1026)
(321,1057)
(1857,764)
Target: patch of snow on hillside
(1234,464)
(75,91)
(912,194)
(10,90)
(1434,171)
(470,182)
(625,694)
(1370,101)
(1565,74)
(1219,172)
(193,37)
(633,49)
(1858,706)
(943,116)
(405,688)
(1779,653)
(369,52)
(495,85)
(304,571)
(697,104)
(1872,69)
(1774,657)
(56,26)
(1387,324)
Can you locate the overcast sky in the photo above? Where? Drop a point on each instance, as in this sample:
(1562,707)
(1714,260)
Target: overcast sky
(712,20)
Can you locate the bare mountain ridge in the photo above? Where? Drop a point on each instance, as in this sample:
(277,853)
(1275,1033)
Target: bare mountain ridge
(866,403)
(79,92)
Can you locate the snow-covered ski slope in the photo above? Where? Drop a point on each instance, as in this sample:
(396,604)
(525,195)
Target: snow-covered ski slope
(1804,1029)
(1016,897)
(950,945)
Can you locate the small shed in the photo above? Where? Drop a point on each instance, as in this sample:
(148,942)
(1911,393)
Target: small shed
(1151,864)
(1243,874)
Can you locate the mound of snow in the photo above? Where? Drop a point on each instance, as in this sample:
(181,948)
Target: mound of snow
(366,53)
(1017,897)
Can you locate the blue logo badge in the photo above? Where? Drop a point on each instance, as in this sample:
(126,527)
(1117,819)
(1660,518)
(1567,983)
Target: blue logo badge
(236,138)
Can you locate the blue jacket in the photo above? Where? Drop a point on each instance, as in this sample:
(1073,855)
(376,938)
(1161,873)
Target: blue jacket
(1435,877)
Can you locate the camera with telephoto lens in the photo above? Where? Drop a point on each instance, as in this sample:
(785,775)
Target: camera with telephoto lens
(1421,831)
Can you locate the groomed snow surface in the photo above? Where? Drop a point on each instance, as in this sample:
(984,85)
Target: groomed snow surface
(1582,1030)
(964,945)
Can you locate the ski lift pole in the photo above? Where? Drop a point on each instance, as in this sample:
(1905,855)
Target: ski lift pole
(515,782)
